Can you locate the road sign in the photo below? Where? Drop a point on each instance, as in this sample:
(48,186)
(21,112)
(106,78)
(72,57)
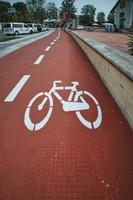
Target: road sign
(12,10)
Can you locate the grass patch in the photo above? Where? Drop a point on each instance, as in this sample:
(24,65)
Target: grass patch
(6,38)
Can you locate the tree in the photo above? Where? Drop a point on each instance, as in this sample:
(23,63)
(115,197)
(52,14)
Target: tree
(37,10)
(22,13)
(39,15)
(83,19)
(68,7)
(111,17)
(88,11)
(4,15)
(52,11)
(101,17)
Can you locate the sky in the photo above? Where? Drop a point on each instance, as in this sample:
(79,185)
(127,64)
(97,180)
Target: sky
(100,5)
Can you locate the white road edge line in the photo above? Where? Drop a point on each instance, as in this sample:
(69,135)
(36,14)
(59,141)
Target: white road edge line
(12,95)
(47,48)
(39,60)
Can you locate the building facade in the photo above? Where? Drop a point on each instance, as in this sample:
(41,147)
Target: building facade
(123,14)
(0,26)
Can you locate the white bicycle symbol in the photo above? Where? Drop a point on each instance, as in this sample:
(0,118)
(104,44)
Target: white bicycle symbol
(77,105)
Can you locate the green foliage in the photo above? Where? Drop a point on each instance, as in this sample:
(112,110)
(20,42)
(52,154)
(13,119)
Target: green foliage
(6,38)
(111,18)
(52,11)
(88,11)
(4,15)
(68,6)
(39,15)
(37,10)
(83,19)
(34,5)
(101,17)
(22,13)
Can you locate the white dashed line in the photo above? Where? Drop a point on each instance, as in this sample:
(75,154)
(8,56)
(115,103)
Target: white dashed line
(12,95)
(52,43)
(39,60)
(48,48)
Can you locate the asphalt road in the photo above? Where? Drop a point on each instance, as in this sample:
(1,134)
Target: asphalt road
(62,136)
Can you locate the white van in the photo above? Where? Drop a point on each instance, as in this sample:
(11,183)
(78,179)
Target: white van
(16,28)
(33,27)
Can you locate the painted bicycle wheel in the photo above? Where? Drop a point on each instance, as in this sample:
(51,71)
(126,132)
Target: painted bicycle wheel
(89,124)
(32,126)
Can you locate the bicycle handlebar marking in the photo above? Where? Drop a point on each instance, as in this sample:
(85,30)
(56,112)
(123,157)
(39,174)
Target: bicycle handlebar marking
(76,106)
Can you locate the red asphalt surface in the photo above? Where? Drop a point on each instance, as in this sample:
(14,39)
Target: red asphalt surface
(64,160)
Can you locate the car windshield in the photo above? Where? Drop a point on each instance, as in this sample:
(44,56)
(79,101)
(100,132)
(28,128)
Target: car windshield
(7,25)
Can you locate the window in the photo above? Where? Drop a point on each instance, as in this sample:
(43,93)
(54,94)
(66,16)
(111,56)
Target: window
(122,4)
(121,14)
(122,19)
(17,26)
(7,25)
(26,26)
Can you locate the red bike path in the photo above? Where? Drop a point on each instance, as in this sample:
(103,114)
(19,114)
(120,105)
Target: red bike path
(64,160)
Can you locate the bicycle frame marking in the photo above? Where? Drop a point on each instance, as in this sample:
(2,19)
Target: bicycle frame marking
(67,106)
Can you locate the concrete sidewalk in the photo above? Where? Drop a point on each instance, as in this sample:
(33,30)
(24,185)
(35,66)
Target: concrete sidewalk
(12,45)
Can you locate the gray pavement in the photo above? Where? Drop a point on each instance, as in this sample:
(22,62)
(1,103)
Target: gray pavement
(11,45)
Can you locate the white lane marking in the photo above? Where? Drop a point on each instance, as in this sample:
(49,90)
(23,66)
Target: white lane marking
(39,60)
(47,48)
(12,95)
(57,36)
(52,43)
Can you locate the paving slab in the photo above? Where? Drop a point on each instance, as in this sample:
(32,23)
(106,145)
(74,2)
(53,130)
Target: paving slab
(116,40)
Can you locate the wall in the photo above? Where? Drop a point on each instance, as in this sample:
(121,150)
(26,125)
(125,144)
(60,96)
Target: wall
(116,70)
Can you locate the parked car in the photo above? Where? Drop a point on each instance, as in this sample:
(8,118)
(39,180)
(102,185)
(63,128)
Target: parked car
(16,28)
(95,26)
(39,27)
(33,27)
(44,28)
(81,27)
(89,28)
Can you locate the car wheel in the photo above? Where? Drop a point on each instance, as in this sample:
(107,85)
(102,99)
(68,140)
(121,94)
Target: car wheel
(16,33)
